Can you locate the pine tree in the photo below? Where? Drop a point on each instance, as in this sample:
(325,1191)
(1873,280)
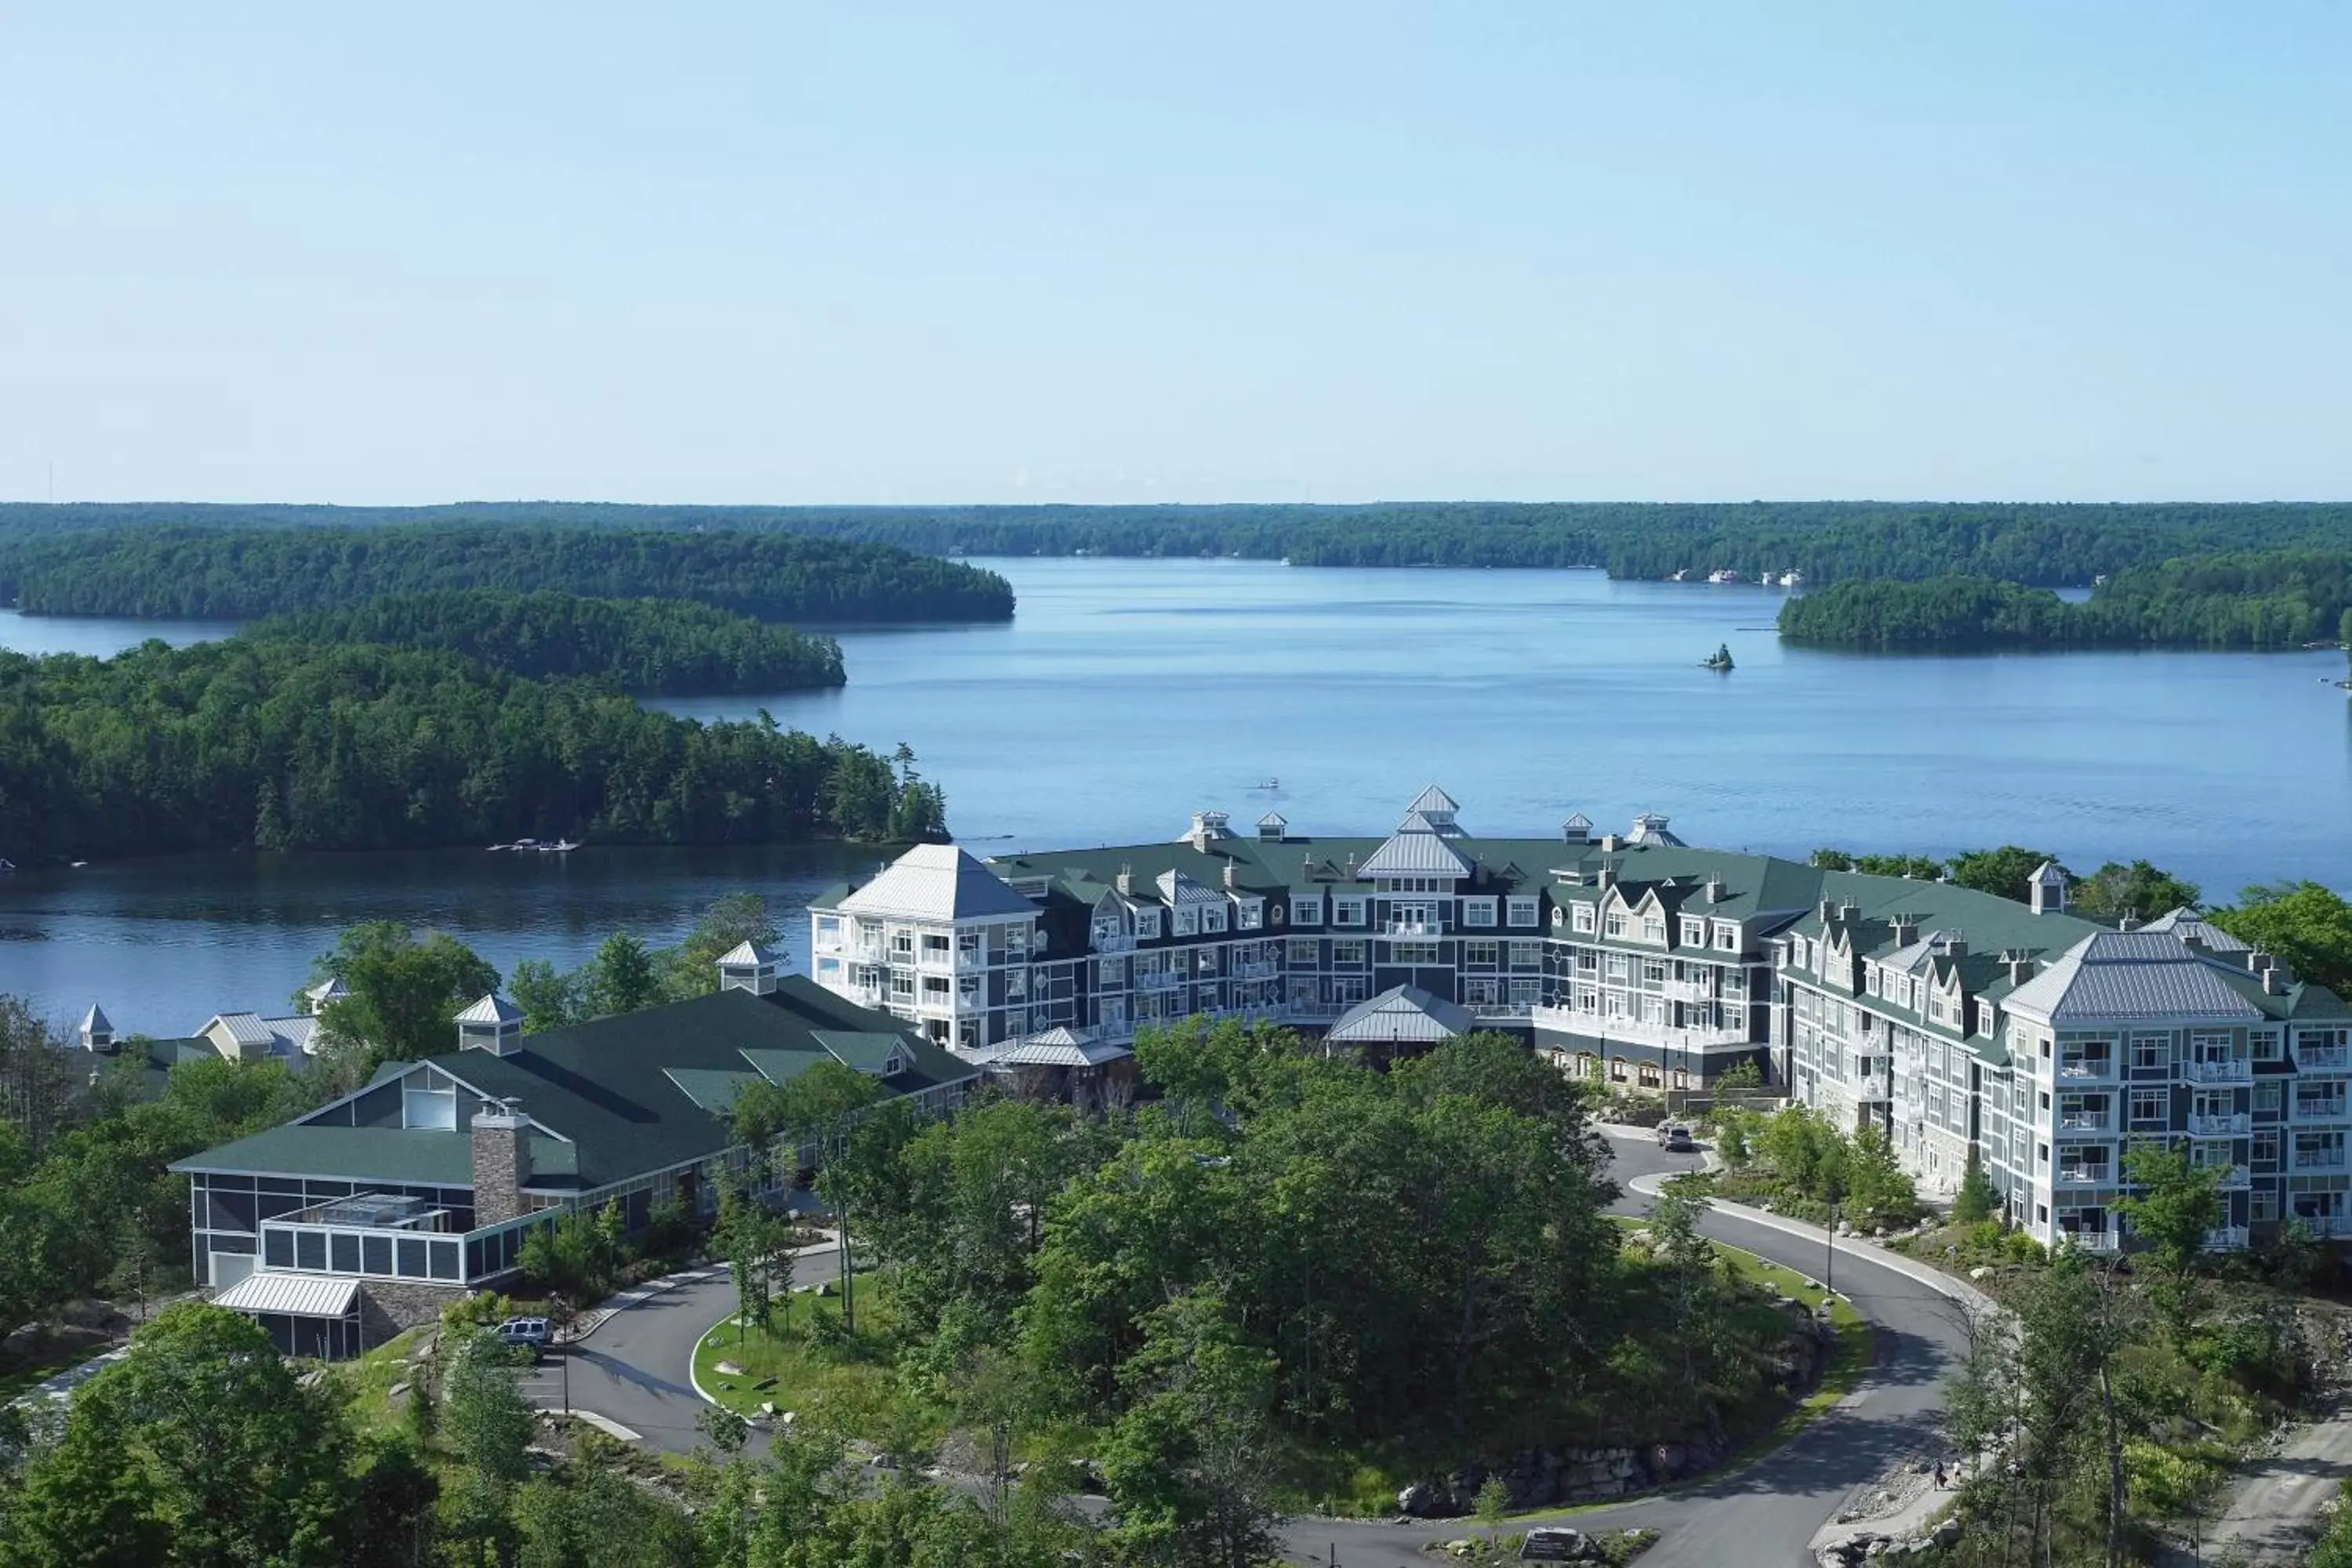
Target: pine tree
(1978,1197)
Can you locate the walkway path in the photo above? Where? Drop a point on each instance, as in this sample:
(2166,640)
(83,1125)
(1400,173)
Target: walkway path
(2276,1512)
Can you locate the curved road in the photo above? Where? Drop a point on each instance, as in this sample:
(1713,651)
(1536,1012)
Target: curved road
(635,1370)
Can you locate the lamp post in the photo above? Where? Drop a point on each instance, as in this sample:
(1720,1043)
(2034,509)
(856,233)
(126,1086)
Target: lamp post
(1829,1267)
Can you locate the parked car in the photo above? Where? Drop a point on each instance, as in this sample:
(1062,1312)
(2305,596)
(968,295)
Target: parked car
(1676,1138)
(531,1334)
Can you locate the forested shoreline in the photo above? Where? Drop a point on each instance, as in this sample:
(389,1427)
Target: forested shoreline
(272,743)
(2277,599)
(2037,545)
(215,573)
(664,647)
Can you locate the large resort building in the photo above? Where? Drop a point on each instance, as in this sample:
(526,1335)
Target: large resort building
(1951,1018)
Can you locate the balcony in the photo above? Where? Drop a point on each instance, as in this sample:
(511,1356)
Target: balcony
(1158,980)
(1259,970)
(2082,1121)
(1412,928)
(2327,1224)
(2317,1159)
(2227,1124)
(2086,1067)
(1591,1025)
(2226,1238)
(2225,1069)
(1113,941)
(2084,1177)
(2090,1240)
(2333,1109)
(2321,1059)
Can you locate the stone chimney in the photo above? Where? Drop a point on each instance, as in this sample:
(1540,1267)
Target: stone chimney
(493,1025)
(1715,889)
(1125,881)
(501,1135)
(1231,880)
(1848,912)
(1955,944)
(2047,892)
(2193,941)
(1907,929)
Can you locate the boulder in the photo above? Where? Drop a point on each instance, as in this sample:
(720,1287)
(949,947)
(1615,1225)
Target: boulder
(729,1369)
(1422,1501)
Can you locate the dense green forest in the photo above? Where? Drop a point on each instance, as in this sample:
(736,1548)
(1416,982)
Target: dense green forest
(288,745)
(178,573)
(2278,599)
(669,647)
(2053,545)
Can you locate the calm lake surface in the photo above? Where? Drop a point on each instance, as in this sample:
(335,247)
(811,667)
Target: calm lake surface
(1128,693)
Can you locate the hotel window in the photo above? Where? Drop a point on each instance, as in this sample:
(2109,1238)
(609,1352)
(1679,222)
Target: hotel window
(1587,1000)
(1184,922)
(1618,967)
(2151,1050)
(1614,1005)
(2269,1048)
(1477,911)
(1247,916)
(1147,922)
(1526,993)
(903,986)
(1482,954)
(902,944)
(1527,955)
(1486,992)
(1653,928)
(2266,1147)
(1347,954)
(1307,912)
(1348,911)
(2266,1096)
(2151,1107)
(1654,973)
(1615,922)
(935,988)
(1305,951)
(1870,980)
(1213,918)
(1735,1018)
(1522,911)
(1726,937)
(2265,1204)
(1653,1009)
(935,944)
(1412,952)
(1693,933)
(1583,918)
(1587,960)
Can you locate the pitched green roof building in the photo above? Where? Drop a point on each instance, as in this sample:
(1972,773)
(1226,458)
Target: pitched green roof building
(1949,1017)
(426,1182)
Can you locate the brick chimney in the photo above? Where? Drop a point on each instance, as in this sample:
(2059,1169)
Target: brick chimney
(501,1136)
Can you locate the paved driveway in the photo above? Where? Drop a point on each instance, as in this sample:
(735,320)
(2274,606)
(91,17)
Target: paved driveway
(635,1371)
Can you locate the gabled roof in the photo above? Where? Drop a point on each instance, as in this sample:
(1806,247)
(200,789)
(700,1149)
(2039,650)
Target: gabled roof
(2134,974)
(1176,889)
(747,952)
(2186,922)
(245,1028)
(330,989)
(937,881)
(618,1098)
(1059,1048)
(1434,799)
(491,1009)
(1417,852)
(1405,1013)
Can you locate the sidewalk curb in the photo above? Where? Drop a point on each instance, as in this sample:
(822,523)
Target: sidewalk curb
(620,1301)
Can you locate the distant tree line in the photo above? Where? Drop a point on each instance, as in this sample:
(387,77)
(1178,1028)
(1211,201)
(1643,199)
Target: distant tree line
(2279,599)
(669,647)
(280,744)
(211,573)
(2049,545)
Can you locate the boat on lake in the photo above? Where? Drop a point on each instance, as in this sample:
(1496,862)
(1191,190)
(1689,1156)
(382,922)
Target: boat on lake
(1721,659)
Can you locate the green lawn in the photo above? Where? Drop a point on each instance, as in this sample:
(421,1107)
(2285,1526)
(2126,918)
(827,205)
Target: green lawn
(850,1383)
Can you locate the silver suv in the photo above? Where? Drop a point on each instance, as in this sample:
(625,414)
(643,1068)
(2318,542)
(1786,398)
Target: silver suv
(1675,1137)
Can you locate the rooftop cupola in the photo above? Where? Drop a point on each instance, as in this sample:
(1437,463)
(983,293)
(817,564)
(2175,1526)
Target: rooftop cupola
(1207,827)
(1436,809)
(747,966)
(492,1025)
(2048,890)
(1271,828)
(326,994)
(97,1032)
(1650,827)
(1576,829)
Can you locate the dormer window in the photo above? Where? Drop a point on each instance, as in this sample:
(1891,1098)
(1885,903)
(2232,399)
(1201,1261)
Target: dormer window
(1213,918)
(1249,915)
(1693,933)
(1479,912)
(1614,924)
(1307,912)
(1726,937)
(1187,921)
(1653,928)
(1147,922)
(1583,919)
(1524,911)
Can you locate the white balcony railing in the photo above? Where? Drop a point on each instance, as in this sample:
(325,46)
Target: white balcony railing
(2318,1159)
(1591,1025)
(1114,942)
(2084,1177)
(1412,928)
(2336,1109)
(2226,1238)
(2082,1121)
(2086,1067)
(2312,1058)
(2226,1124)
(1160,980)
(2223,1069)
(2090,1240)
(2336,1224)
(2236,1179)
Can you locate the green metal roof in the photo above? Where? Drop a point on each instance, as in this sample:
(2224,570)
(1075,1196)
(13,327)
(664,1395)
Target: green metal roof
(345,1153)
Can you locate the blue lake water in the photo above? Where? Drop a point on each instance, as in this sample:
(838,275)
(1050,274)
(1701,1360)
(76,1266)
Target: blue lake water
(1127,694)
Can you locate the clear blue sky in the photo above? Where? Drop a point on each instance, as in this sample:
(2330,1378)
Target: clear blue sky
(904,252)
